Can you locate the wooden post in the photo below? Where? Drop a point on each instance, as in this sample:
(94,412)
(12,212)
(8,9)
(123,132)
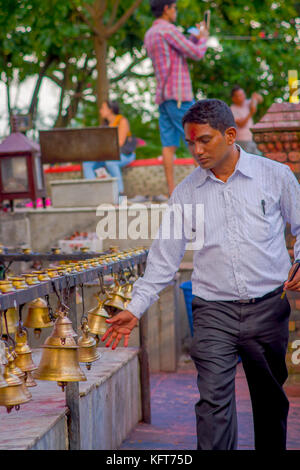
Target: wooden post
(72,388)
(144,371)
(144,366)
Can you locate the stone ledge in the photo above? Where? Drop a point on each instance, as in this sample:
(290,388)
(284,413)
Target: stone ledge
(42,423)
(109,363)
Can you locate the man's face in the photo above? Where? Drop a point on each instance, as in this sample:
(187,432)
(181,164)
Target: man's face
(208,146)
(239,97)
(171,12)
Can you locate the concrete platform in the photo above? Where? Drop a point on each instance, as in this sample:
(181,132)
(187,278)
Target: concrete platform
(109,408)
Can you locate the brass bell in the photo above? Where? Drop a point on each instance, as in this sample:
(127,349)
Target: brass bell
(3,382)
(29,381)
(127,290)
(23,360)
(117,299)
(97,320)
(38,316)
(59,361)
(13,369)
(87,352)
(63,326)
(13,395)
(12,318)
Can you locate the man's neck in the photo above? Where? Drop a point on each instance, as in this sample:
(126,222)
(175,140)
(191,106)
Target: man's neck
(165,18)
(227,167)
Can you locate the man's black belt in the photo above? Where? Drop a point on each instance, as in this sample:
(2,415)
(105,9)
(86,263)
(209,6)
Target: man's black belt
(258,299)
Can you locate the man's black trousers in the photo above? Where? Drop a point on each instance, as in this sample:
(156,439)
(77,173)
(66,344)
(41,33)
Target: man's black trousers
(258,332)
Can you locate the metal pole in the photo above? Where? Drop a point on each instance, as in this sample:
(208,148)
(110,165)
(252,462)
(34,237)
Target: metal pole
(144,365)
(72,388)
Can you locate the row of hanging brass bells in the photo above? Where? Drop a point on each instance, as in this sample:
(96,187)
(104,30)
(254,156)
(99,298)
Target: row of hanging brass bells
(37,317)
(61,355)
(117,298)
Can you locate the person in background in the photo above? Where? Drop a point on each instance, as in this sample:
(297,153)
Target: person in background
(169,50)
(243,109)
(110,113)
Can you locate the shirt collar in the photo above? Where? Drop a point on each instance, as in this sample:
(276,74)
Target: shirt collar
(244,166)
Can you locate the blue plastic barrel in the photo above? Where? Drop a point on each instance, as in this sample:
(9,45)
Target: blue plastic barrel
(188,297)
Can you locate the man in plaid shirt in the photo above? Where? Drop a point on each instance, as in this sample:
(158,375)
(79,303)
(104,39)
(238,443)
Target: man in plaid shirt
(168,49)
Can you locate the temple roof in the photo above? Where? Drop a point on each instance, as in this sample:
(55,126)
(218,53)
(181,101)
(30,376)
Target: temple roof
(18,142)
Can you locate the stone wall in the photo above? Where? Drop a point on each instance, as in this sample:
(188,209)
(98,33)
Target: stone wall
(144,180)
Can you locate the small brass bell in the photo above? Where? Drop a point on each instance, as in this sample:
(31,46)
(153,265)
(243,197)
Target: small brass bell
(13,395)
(38,316)
(59,361)
(63,326)
(96,320)
(87,352)
(13,369)
(117,299)
(23,360)
(12,318)
(29,381)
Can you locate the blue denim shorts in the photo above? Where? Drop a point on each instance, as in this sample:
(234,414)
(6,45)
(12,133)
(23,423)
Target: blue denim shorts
(170,122)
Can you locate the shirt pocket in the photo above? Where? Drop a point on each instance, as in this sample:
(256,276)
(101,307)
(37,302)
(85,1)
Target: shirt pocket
(257,216)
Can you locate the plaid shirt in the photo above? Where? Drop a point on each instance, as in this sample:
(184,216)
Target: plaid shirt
(168,49)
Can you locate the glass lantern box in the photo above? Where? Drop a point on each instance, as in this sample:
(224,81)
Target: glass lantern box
(21,171)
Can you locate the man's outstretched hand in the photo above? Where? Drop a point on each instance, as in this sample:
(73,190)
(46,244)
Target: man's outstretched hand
(121,325)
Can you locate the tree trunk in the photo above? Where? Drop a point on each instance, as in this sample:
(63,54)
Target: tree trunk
(102,79)
(9,112)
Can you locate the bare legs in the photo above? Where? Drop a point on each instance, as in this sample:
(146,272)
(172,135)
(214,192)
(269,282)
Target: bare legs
(168,156)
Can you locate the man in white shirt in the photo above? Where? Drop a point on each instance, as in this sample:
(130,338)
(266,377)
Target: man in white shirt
(243,109)
(239,277)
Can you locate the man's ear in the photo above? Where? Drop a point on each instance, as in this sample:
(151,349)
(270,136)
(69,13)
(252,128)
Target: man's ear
(230,135)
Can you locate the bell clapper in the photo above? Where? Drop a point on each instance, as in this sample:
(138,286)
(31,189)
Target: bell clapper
(62,385)
(97,338)
(37,332)
(88,365)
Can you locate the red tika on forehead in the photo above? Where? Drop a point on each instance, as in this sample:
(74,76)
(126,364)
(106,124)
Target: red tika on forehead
(193,131)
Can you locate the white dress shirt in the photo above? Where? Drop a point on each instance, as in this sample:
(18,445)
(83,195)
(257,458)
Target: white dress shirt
(244,254)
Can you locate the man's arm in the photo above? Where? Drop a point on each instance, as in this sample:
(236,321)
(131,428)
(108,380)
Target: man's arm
(290,208)
(185,46)
(163,261)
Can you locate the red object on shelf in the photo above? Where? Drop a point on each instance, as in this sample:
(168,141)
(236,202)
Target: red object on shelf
(143,162)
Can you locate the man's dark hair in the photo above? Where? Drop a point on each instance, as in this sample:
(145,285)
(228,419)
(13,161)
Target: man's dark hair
(234,89)
(157,6)
(214,112)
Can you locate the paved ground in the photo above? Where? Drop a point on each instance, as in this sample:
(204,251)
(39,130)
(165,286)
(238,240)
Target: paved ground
(173,396)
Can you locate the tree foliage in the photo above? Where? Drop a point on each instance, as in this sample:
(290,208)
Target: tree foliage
(256,43)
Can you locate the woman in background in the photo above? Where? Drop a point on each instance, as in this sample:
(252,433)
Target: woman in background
(110,113)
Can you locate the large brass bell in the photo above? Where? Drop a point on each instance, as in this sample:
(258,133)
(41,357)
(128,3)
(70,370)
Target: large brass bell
(59,361)
(38,316)
(87,352)
(13,395)
(12,319)
(97,320)
(23,360)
